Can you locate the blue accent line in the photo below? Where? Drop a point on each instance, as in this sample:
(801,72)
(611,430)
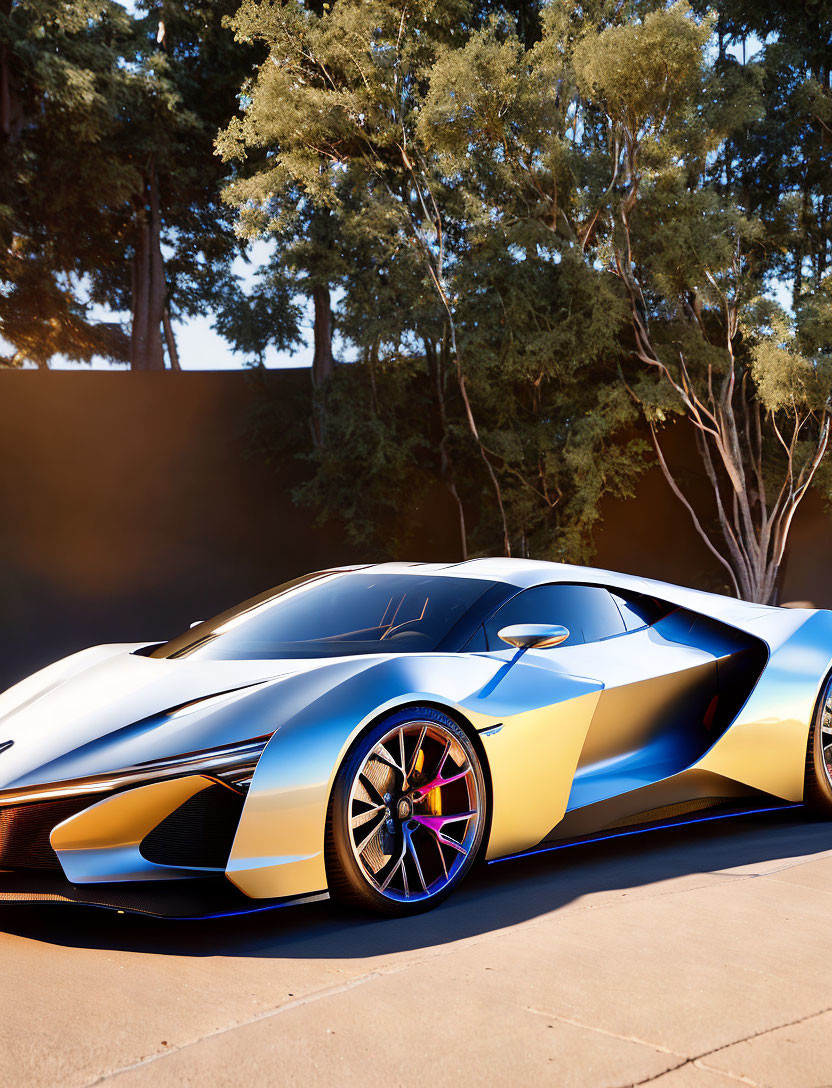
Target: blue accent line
(293,902)
(641,831)
(224,914)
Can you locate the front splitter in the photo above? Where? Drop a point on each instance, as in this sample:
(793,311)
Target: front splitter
(182,900)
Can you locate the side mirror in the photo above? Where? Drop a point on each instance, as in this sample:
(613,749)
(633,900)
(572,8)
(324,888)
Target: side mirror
(538,636)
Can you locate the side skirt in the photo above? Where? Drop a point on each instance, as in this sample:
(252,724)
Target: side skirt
(721,812)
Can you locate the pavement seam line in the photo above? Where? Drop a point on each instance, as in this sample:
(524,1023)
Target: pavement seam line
(724,1073)
(806,859)
(266,1014)
(699,1059)
(604,1031)
(299,1002)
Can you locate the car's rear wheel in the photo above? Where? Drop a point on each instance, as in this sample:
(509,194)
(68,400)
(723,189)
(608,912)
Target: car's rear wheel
(407,815)
(818,788)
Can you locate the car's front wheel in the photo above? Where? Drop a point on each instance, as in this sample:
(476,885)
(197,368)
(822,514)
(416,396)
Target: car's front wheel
(407,815)
(818,787)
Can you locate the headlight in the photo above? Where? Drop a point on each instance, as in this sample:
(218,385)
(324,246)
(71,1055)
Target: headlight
(234,763)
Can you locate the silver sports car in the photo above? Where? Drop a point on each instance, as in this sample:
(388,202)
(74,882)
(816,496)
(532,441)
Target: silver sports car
(369,732)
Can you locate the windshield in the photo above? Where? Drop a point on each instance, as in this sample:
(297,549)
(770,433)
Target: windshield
(333,615)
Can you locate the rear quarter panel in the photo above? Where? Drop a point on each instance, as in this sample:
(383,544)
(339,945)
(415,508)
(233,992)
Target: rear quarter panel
(765,747)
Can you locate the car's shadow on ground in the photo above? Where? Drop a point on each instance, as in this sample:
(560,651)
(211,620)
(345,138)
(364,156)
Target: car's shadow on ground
(493,897)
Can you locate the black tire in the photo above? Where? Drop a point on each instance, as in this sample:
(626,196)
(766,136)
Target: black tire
(817,793)
(414,831)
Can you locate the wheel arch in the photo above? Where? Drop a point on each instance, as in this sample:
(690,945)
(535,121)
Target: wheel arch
(817,791)
(456,716)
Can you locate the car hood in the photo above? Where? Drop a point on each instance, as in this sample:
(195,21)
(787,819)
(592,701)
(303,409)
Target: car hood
(104,709)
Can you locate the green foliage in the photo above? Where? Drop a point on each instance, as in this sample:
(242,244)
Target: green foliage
(59,76)
(96,101)
(645,75)
(492,346)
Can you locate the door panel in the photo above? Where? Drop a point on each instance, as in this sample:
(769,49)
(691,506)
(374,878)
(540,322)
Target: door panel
(651,715)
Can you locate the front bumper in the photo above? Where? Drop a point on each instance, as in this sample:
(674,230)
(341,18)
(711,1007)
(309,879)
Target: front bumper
(164,819)
(159,849)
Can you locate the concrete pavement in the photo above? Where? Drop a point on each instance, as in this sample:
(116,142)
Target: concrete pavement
(698,956)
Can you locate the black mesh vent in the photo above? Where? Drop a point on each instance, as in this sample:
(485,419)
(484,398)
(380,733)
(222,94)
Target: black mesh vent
(25,830)
(198,833)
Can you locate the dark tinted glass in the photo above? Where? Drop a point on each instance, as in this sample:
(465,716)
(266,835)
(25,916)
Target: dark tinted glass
(335,615)
(639,610)
(476,642)
(588,612)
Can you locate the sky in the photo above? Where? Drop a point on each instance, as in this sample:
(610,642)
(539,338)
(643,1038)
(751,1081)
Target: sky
(200,348)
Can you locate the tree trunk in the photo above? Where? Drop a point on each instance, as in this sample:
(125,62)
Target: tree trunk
(322,361)
(148,283)
(436,367)
(754,532)
(5,94)
(11,107)
(170,340)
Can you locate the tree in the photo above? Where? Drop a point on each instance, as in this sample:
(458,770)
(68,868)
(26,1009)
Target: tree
(109,186)
(755,387)
(58,75)
(629,118)
(176,240)
(338,109)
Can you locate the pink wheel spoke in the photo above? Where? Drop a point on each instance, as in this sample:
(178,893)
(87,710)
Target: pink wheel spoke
(438,783)
(443,758)
(434,824)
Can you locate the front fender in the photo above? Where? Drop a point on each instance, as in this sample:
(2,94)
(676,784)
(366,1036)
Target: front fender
(279,847)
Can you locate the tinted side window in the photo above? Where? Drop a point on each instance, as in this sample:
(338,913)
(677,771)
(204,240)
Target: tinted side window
(588,612)
(639,610)
(476,642)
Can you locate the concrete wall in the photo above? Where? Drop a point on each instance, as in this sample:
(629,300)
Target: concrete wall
(130,507)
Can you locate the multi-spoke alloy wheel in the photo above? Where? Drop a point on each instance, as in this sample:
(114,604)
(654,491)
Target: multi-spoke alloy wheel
(818,789)
(408,814)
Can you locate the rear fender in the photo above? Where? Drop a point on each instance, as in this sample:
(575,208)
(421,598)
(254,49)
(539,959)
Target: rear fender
(765,747)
